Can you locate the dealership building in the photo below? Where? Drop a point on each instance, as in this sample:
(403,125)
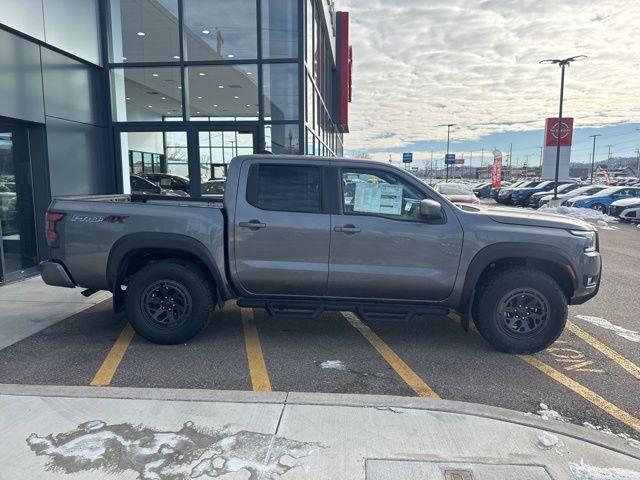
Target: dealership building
(96,95)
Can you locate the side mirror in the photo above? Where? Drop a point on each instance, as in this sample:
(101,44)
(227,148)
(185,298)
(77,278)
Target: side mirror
(430,209)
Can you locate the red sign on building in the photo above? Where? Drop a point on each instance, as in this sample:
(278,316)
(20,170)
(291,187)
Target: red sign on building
(345,65)
(553,129)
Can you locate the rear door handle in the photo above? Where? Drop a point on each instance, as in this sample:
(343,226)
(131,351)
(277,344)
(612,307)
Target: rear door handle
(347,229)
(253,224)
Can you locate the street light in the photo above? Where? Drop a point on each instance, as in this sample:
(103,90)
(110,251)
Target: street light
(593,154)
(448,125)
(562,63)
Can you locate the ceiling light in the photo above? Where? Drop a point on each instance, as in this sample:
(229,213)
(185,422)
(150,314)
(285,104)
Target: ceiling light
(248,105)
(202,74)
(150,106)
(128,98)
(199,98)
(249,73)
(220,86)
(206,32)
(155,75)
(197,112)
(215,105)
(177,57)
(179,87)
(140,34)
(231,55)
(236,96)
(164,98)
(124,58)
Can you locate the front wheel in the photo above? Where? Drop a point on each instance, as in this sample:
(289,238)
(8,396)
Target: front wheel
(169,301)
(520,310)
(598,208)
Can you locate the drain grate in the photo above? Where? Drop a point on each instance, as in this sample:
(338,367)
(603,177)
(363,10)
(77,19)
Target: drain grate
(387,469)
(458,475)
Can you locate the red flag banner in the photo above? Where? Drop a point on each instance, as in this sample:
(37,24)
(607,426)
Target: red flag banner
(496,173)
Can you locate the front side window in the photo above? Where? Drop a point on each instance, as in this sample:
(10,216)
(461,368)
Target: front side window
(292,188)
(379,193)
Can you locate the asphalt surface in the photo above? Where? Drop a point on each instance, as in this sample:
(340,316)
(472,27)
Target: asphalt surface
(454,364)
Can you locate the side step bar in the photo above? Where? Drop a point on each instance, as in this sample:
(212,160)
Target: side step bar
(290,308)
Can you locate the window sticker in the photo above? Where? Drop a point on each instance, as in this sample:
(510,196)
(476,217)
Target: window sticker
(380,198)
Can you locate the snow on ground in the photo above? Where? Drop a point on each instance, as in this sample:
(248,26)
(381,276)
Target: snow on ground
(333,364)
(583,471)
(548,414)
(630,335)
(547,440)
(626,437)
(588,214)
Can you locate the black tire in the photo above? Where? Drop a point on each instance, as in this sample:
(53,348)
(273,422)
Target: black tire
(181,314)
(510,328)
(598,207)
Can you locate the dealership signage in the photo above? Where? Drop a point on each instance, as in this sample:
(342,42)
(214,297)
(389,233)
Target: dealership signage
(459,161)
(450,158)
(407,157)
(496,173)
(553,131)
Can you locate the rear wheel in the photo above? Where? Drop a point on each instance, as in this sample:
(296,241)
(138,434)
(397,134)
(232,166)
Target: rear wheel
(169,302)
(598,207)
(520,310)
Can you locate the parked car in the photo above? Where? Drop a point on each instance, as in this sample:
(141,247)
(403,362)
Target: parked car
(482,190)
(520,196)
(602,200)
(504,196)
(142,186)
(213,187)
(581,192)
(496,190)
(168,181)
(287,238)
(534,199)
(457,192)
(620,209)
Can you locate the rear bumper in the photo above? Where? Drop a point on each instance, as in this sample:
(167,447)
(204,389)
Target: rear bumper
(54,273)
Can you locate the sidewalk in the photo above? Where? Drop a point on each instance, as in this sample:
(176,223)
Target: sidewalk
(30,305)
(153,434)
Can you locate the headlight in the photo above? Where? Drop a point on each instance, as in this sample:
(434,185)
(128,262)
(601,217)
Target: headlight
(591,238)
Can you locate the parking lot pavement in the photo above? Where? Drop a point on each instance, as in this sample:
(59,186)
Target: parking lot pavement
(590,374)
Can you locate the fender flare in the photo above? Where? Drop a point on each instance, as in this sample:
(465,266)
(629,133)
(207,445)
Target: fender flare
(165,241)
(499,251)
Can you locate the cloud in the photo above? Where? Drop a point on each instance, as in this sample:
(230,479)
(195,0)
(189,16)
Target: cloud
(418,64)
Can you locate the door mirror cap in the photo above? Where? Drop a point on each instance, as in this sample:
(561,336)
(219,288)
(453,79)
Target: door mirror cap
(430,209)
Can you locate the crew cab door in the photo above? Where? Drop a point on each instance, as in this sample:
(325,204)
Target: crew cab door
(282,229)
(380,245)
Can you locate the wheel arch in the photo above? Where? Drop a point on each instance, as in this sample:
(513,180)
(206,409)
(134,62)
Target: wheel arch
(133,251)
(547,258)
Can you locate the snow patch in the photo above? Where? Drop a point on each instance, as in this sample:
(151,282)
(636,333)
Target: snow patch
(581,214)
(632,442)
(630,335)
(583,471)
(548,440)
(333,364)
(548,414)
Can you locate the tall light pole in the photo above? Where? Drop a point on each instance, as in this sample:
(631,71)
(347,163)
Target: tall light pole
(562,63)
(448,125)
(593,154)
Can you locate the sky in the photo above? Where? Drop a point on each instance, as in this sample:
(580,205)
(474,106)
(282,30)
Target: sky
(419,64)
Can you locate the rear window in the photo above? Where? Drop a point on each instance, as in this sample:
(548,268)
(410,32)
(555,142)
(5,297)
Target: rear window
(292,188)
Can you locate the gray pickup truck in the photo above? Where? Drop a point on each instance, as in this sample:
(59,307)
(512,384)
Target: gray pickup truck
(300,235)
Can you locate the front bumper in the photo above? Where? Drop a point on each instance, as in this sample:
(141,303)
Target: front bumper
(54,273)
(588,277)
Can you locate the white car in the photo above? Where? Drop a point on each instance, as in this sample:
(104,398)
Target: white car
(626,209)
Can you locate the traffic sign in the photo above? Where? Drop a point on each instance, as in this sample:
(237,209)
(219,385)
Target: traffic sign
(407,157)
(450,158)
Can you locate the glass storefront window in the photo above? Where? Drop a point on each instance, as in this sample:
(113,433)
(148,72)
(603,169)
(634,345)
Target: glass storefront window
(309,34)
(223,92)
(220,30)
(146,94)
(217,148)
(282,139)
(280,28)
(144,31)
(280,84)
(158,157)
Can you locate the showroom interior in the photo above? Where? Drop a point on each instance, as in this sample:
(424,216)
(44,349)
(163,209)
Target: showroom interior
(157,96)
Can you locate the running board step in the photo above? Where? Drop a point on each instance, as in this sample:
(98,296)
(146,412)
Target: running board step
(292,308)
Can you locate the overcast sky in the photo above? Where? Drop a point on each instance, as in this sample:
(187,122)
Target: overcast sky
(421,63)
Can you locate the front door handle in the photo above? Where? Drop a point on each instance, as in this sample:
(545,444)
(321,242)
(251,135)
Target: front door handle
(349,228)
(253,224)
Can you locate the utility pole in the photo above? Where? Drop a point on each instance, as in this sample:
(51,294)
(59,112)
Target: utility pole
(609,152)
(448,125)
(510,154)
(562,64)
(638,162)
(431,166)
(593,154)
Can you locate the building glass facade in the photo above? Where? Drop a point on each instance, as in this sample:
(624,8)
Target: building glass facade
(99,93)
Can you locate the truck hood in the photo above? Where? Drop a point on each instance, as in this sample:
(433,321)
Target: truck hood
(536,219)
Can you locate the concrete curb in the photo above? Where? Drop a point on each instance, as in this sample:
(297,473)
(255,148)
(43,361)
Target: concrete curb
(577,432)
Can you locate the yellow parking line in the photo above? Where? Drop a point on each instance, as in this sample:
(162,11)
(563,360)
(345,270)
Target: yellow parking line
(108,368)
(410,377)
(257,368)
(584,392)
(629,366)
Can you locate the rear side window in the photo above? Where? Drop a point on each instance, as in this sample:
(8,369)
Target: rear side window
(291,188)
